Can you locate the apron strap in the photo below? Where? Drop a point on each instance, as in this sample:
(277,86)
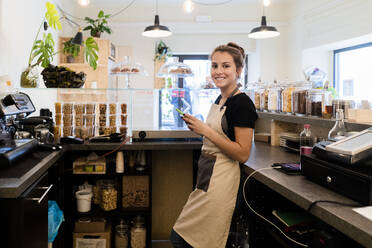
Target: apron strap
(232,93)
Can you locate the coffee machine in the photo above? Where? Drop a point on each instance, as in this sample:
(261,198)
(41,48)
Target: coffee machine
(13,109)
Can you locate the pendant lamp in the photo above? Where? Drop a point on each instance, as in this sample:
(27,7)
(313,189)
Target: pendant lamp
(264,31)
(156,30)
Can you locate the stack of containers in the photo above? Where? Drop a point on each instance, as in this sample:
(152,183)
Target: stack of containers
(79,129)
(257,96)
(112,117)
(58,120)
(89,118)
(299,97)
(123,119)
(103,129)
(67,119)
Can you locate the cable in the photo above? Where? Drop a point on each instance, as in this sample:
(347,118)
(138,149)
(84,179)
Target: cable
(116,149)
(211,4)
(268,221)
(332,202)
(81,19)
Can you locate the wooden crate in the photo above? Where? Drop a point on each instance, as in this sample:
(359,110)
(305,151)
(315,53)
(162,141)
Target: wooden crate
(135,192)
(158,82)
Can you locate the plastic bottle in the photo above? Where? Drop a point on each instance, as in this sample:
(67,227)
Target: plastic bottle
(338,131)
(306,140)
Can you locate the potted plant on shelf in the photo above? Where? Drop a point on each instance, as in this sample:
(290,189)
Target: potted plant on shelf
(71,50)
(162,51)
(99,25)
(42,50)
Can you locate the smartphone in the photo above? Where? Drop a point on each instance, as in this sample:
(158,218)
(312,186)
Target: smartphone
(180,112)
(289,168)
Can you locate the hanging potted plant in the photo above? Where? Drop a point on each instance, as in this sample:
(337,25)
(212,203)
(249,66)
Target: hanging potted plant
(42,50)
(99,25)
(71,50)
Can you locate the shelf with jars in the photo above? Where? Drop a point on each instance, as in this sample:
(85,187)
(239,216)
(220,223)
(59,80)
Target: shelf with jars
(121,196)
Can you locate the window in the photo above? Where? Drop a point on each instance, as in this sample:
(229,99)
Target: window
(352,72)
(194,95)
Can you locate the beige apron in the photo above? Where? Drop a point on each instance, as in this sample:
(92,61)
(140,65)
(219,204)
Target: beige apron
(205,219)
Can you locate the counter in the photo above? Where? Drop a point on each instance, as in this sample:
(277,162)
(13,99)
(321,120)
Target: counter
(17,178)
(303,192)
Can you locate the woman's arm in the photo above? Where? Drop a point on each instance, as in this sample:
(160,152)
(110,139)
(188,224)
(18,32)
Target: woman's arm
(238,150)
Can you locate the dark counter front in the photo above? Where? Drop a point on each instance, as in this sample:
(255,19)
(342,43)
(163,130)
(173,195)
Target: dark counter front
(15,179)
(303,192)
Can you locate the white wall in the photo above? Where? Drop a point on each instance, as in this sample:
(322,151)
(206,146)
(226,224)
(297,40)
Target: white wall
(318,27)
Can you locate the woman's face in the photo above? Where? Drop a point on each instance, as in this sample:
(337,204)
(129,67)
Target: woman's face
(224,71)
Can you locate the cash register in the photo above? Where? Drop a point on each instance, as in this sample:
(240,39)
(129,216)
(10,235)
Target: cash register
(12,107)
(344,166)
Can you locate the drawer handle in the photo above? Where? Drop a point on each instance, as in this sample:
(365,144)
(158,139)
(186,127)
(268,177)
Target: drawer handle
(47,189)
(329,179)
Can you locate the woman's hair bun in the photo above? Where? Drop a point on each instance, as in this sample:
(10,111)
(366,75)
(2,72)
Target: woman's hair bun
(234,45)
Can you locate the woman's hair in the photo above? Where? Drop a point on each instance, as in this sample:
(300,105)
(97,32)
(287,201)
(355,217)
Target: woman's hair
(234,50)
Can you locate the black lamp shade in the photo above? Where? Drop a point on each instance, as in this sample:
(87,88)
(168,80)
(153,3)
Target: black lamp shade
(156,30)
(263,31)
(78,39)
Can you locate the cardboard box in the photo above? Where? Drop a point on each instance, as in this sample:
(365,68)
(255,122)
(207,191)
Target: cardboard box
(96,240)
(135,192)
(90,225)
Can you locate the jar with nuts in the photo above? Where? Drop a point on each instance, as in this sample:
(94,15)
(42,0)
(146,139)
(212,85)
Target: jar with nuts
(138,233)
(109,196)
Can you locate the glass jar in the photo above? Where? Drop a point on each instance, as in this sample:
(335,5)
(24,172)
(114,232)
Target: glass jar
(345,105)
(30,77)
(299,101)
(109,196)
(121,235)
(97,191)
(287,99)
(264,98)
(327,107)
(274,99)
(314,102)
(257,97)
(138,233)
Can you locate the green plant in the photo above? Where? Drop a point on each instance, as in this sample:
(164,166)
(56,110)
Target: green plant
(91,52)
(43,50)
(70,48)
(162,51)
(99,25)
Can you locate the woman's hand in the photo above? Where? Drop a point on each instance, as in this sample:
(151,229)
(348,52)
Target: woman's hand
(196,125)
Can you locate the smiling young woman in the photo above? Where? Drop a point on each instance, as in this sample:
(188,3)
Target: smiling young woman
(227,137)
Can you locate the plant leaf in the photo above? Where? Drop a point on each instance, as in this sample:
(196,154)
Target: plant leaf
(91,52)
(52,17)
(101,14)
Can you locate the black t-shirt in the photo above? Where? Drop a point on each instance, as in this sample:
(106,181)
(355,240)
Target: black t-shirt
(240,112)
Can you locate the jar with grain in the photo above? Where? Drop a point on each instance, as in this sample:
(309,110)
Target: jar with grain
(138,233)
(109,196)
(314,102)
(264,99)
(299,96)
(287,99)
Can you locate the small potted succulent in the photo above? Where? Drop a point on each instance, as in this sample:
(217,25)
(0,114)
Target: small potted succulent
(71,50)
(99,25)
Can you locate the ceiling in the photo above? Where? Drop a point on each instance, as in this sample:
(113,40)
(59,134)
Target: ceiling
(162,2)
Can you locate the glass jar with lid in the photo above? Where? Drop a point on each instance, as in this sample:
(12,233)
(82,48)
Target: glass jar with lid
(138,233)
(121,235)
(97,191)
(314,102)
(109,195)
(287,98)
(264,98)
(257,96)
(327,108)
(274,98)
(299,96)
